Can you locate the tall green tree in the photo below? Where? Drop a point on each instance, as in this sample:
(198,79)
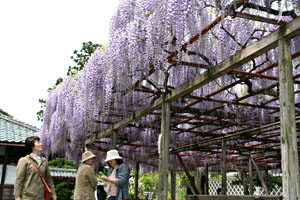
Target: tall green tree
(81,56)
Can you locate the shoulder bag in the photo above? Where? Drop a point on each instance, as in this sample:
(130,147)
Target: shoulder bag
(47,190)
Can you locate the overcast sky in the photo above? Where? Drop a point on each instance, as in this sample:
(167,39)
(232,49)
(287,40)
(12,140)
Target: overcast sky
(37,38)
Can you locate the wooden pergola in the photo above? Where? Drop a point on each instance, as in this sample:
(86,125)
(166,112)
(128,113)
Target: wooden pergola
(252,145)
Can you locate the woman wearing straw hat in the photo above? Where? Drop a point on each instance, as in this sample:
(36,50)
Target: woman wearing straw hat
(118,177)
(86,181)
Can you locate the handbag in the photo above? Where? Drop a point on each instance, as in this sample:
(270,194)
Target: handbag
(47,190)
(46,194)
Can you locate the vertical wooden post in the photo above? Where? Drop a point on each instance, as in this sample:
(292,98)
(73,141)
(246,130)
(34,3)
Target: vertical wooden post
(288,138)
(223,168)
(266,177)
(113,140)
(4,171)
(173,179)
(164,151)
(206,186)
(251,178)
(244,175)
(136,181)
(198,180)
(260,177)
(201,182)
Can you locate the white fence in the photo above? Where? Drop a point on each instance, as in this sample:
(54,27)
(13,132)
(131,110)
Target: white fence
(214,184)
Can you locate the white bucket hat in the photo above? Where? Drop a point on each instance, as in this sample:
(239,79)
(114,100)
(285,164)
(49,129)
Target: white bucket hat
(112,155)
(87,155)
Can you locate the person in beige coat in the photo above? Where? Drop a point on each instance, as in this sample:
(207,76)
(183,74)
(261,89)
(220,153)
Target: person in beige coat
(29,184)
(86,181)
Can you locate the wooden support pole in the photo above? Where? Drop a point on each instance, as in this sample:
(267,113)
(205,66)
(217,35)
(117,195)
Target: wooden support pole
(260,177)
(113,140)
(244,175)
(136,181)
(206,186)
(251,178)
(4,171)
(192,182)
(267,177)
(202,182)
(173,179)
(223,168)
(198,180)
(289,150)
(164,152)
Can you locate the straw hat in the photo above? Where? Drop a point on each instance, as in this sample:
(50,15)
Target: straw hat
(112,155)
(87,155)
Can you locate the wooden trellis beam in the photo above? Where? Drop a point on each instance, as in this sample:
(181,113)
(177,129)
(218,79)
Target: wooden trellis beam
(269,10)
(245,158)
(276,98)
(256,74)
(259,18)
(263,45)
(237,103)
(235,136)
(199,99)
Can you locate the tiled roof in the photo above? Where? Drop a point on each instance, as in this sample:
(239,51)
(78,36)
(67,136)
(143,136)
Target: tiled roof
(14,131)
(62,172)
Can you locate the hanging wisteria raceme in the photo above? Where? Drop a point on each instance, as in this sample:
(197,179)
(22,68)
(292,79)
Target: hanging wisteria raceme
(143,33)
(58,117)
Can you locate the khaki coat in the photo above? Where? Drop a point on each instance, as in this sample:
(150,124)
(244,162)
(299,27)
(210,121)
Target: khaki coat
(29,184)
(86,183)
